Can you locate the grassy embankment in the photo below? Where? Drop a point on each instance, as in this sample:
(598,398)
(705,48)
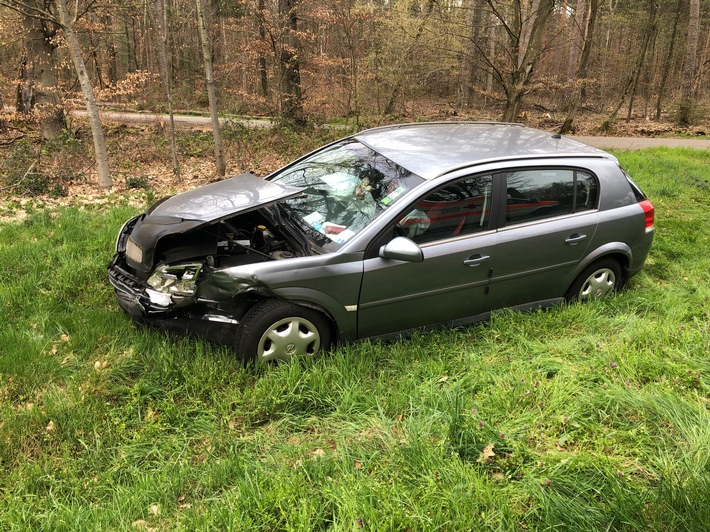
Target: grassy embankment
(587,417)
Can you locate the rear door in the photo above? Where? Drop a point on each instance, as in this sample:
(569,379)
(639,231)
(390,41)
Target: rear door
(550,219)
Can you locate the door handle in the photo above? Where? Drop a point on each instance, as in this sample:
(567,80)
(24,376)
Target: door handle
(476,260)
(576,238)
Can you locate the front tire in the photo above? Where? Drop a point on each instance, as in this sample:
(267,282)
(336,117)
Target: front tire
(599,280)
(277,330)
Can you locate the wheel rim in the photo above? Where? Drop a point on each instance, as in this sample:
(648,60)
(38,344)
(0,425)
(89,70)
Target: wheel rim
(598,285)
(287,338)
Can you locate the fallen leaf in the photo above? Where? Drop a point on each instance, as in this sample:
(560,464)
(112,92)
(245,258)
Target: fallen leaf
(487,454)
(443,379)
(319,453)
(488,450)
(358,464)
(50,426)
(155,509)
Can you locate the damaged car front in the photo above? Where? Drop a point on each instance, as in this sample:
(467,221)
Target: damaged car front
(163,253)
(260,264)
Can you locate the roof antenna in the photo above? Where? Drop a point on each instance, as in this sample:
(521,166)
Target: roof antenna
(556,136)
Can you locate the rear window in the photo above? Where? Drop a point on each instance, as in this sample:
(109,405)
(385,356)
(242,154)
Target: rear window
(544,193)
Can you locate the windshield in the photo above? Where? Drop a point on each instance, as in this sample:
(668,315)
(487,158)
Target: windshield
(346,186)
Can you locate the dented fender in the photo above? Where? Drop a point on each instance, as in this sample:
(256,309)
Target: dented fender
(225,285)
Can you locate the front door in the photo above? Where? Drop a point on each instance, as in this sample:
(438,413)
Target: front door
(451,226)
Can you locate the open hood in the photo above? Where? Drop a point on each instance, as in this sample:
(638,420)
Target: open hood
(202,206)
(222,199)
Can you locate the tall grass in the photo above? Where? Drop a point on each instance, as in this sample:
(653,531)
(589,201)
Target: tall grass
(583,417)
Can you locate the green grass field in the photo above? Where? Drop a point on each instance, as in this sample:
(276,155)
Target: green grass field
(586,417)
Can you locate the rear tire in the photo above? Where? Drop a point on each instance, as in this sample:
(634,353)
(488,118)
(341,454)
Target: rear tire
(278,330)
(599,280)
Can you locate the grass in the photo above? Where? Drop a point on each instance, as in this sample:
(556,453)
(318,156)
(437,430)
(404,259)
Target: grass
(584,417)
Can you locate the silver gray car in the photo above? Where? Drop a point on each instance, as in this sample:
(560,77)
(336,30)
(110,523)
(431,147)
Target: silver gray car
(390,230)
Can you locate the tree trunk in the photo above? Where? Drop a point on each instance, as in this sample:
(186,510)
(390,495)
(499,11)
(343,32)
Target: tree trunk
(97,131)
(211,94)
(651,35)
(491,51)
(468,57)
(263,72)
(3,122)
(581,77)
(292,108)
(665,74)
(37,89)
(528,50)
(166,78)
(687,103)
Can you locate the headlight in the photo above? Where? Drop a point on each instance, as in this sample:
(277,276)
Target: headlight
(134,251)
(178,279)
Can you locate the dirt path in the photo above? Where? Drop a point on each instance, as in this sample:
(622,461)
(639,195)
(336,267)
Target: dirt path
(616,143)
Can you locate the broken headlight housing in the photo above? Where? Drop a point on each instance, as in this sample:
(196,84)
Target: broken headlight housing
(178,279)
(134,251)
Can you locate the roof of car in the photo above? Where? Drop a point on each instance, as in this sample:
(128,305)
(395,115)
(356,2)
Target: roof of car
(430,149)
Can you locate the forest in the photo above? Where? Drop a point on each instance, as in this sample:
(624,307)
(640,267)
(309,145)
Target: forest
(360,62)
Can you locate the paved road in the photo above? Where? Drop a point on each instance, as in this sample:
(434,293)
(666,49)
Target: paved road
(617,143)
(639,143)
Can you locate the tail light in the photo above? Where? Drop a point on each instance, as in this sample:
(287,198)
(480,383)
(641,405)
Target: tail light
(649,212)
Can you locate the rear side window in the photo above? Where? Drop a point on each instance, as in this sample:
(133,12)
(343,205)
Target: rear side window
(638,193)
(545,193)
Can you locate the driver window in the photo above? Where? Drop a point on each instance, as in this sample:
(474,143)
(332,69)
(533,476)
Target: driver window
(457,209)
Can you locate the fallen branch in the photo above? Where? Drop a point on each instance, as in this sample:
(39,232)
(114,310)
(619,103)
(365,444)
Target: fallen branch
(10,142)
(19,182)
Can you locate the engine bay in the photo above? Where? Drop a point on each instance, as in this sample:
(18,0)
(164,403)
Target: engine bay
(242,239)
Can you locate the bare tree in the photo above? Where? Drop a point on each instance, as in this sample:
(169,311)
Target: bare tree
(37,90)
(263,72)
(524,24)
(581,77)
(211,93)
(647,37)
(292,107)
(97,132)
(44,15)
(691,64)
(468,57)
(665,74)
(166,78)
(412,46)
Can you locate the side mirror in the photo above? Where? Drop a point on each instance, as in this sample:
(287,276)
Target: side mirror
(401,248)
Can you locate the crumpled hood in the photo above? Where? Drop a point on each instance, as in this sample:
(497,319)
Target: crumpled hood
(224,198)
(195,208)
